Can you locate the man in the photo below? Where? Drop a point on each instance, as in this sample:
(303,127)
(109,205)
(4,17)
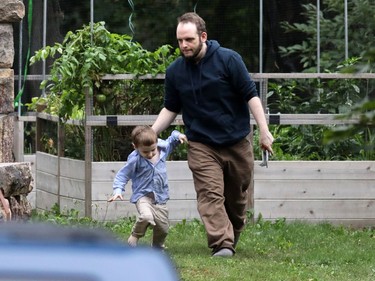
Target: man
(212,88)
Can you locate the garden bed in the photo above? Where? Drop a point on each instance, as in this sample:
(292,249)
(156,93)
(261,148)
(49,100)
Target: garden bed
(340,192)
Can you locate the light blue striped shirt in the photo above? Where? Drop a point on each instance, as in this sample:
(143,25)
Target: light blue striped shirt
(147,177)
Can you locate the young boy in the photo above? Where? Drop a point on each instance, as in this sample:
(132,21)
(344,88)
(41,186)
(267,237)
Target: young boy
(146,168)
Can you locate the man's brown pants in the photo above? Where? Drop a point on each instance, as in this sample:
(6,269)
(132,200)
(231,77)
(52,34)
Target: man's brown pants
(222,176)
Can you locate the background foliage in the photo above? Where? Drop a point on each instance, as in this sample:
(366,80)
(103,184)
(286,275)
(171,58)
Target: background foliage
(82,59)
(336,96)
(114,53)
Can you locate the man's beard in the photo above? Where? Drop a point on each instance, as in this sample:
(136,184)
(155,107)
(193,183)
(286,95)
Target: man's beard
(194,56)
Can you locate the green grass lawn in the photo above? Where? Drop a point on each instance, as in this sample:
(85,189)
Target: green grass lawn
(266,251)
(277,251)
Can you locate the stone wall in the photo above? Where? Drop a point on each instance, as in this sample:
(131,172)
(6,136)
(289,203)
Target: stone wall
(11,11)
(15,178)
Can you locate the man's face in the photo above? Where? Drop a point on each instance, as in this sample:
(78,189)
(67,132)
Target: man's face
(189,42)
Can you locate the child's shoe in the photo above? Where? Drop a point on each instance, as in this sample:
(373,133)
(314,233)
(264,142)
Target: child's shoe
(132,241)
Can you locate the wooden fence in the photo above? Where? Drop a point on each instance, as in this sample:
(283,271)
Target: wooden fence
(337,192)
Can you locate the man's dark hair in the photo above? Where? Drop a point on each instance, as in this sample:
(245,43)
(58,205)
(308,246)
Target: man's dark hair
(193,18)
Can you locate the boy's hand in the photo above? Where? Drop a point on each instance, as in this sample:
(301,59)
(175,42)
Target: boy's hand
(114,197)
(183,138)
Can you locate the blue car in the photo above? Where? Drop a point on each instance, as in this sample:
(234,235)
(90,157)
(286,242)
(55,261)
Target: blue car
(41,252)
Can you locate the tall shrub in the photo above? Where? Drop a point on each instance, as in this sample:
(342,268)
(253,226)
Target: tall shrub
(327,96)
(80,62)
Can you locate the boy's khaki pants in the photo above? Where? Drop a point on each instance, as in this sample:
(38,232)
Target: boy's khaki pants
(154,215)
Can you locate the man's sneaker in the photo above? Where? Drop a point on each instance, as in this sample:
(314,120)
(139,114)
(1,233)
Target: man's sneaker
(224,252)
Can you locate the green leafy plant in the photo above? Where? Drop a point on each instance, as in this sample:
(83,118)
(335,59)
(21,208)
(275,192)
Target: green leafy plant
(332,33)
(364,131)
(306,142)
(80,62)
(86,55)
(335,96)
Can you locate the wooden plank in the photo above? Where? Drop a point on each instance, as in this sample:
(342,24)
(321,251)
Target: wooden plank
(68,203)
(300,75)
(309,190)
(31,197)
(105,171)
(18,140)
(73,188)
(314,189)
(313,209)
(47,182)
(255,76)
(88,152)
(128,120)
(178,170)
(178,190)
(283,119)
(311,119)
(104,211)
(72,168)
(364,166)
(31,159)
(182,190)
(103,191)
(182,209)
(178,210)
(45,200)
(46,163)
(29,117)
(133,76)
(316,170)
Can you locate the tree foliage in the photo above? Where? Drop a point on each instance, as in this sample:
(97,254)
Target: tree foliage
(361,33)
(349,97)
(81,61)
(85,56)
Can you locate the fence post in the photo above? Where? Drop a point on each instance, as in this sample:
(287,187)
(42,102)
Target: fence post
(88,154)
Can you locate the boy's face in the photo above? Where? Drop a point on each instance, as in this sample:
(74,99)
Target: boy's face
(147,151)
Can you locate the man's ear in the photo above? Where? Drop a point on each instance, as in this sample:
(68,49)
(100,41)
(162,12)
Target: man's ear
(134,146)
(204,36)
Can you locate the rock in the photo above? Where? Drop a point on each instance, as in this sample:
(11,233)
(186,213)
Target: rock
(16,178)
(16,182)
(11,10)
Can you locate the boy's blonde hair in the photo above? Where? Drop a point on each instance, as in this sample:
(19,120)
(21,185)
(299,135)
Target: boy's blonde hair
(143,135)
